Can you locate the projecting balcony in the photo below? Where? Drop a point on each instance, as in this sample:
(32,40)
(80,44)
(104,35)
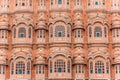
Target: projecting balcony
(95,7)
(78,40)
(42,8)
(98,40)
(22,41)
(4,10)
(116,39)
(23,9)
(59,7)
(60,40)
(78,8)
(40,41)
(61,75)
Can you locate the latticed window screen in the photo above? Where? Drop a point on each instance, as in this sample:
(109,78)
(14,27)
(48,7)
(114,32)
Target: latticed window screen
(99,67)
(20,68)
(59,66)
(22,32)
(59,31)
(98,32)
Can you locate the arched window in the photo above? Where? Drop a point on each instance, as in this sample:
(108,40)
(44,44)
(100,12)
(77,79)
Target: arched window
(59,31)
(91,67)
(51,2)
(105,31)
(12,68)
(79,68)
(68,2)
(30,2)
(29,32)
(50,66)
(28,67)
(59,1)
(90,32)
(107,67)
(103,2)
(14,33)
(75,33)
(68,66)
(22,32)
(68,31)
(99,67)
(2,69)
(117,68)
(97,32)
(39,69)
(51,32)
(16,2)
(59,66)
(20,68)
(89,2)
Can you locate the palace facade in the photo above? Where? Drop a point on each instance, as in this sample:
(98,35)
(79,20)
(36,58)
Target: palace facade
(59,39)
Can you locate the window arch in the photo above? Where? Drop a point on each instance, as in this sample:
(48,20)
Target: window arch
(59,31)
(99,67)
(98,32)
(22,32)
(59,66)
(20,68)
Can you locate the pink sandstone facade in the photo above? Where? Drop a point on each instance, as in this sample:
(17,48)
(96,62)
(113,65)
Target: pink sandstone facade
(59,39)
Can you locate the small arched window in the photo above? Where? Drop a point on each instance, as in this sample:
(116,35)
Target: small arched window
(68,31)
(68,66)
(14,33)
(12,68)
(50,66)
(91,67)
(30,2)
(59,66)
(59,31)
(107,67)
(105,31)
(20,68)
(28,67)
(51,32)
(99,67)
(103,2)
(89,2)
(98,32)
(29,32)
(90,32)
(22,32)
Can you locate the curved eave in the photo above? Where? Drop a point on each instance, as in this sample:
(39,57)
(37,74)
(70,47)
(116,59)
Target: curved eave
(39,28)
(78,28)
